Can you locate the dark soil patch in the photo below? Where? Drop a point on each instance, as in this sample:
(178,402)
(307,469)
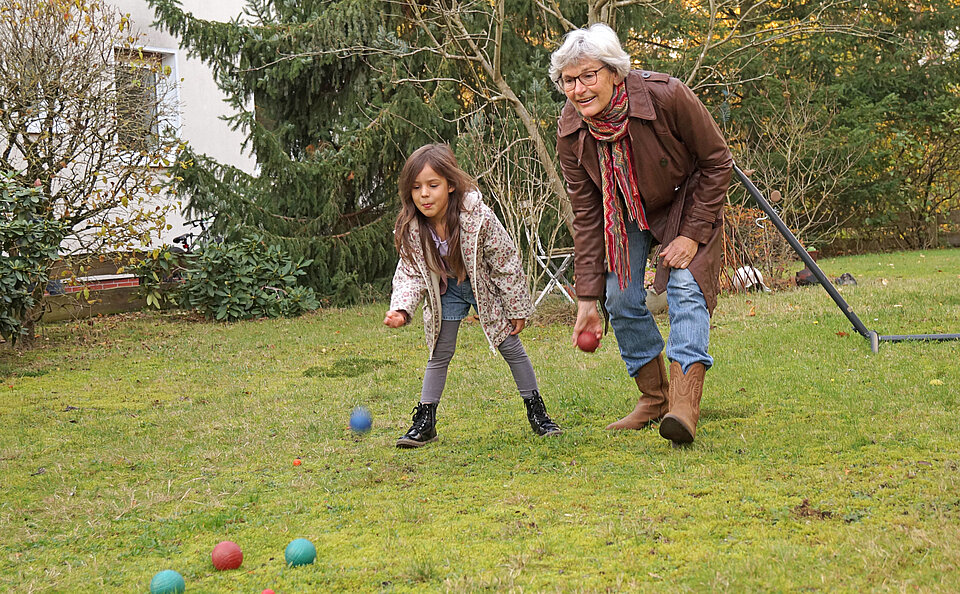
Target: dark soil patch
(805,511)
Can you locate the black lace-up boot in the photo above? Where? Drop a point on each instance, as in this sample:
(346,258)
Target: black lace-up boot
(540,422)
(424,428)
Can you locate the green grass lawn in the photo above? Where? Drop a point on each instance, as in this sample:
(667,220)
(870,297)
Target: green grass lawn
(137,443)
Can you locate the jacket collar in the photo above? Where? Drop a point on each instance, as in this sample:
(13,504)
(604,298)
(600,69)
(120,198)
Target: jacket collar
(641,106)
(471,212)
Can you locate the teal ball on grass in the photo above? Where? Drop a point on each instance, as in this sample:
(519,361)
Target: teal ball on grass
(167,581)
(360,420)
(300,552)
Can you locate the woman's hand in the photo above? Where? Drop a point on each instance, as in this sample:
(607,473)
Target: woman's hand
(588,320)
(518,326)
(680,252)
(395,319)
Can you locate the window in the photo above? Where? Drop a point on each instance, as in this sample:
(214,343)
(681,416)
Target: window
(144,85)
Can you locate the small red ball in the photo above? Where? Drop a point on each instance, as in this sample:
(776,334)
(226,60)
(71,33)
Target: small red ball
(268,591)
(227,555)
(588,342)
(297,462)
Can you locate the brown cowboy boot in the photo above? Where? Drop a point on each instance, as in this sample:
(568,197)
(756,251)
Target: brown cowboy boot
(680,425)
(654,385)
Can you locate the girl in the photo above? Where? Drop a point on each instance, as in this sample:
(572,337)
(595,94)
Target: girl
(455,252)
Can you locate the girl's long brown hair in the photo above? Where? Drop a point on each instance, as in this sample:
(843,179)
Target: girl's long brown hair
(440,158)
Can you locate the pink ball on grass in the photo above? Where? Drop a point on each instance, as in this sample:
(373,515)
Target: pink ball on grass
(226,555)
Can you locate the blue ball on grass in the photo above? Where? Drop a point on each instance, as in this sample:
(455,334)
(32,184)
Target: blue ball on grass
(360,420)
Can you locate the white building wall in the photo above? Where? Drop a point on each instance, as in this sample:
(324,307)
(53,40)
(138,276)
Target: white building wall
(199,101)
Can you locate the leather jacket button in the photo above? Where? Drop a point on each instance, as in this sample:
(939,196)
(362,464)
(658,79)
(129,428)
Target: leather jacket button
(663,162)
(645,75)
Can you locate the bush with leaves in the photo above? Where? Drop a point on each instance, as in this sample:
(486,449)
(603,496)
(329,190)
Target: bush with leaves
(29,238)
(159,272)
(245,279)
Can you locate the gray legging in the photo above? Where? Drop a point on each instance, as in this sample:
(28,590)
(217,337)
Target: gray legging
(435,376)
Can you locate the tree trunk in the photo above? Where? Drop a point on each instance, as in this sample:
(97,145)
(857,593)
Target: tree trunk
(28,339)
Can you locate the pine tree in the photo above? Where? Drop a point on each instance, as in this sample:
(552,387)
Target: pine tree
(328,128)
(342,91)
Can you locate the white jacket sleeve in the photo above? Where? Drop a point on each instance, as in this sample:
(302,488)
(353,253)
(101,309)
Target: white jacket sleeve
(409,288)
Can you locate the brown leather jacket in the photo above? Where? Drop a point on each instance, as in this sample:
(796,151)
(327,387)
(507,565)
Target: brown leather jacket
(683,167)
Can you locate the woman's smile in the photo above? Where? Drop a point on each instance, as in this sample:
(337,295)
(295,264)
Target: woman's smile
(590,100)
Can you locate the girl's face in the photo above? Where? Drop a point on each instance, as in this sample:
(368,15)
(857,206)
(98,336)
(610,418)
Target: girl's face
(431,194)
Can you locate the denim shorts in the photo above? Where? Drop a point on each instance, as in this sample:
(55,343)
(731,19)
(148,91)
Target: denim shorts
(456,301)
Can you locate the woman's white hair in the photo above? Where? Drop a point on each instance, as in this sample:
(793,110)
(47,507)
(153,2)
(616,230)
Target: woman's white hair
(596,42)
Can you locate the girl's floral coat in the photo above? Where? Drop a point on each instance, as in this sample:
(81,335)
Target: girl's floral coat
(493,265)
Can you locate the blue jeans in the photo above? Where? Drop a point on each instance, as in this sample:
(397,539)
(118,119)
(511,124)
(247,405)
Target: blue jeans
(456,300)
(637,334)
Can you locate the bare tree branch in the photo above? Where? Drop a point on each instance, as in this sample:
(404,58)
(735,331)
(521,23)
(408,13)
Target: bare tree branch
(555,12)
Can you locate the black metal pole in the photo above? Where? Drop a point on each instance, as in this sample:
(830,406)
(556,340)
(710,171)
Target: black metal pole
(802,252)
(902,337)
(870,335)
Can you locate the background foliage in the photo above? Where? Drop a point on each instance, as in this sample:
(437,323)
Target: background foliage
(85,122)
(844,108)
(244,279)
(29,238)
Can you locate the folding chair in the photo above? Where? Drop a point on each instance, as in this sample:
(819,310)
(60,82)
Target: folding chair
(554,264)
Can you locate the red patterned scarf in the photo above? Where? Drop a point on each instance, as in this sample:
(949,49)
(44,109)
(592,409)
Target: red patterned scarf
(618,175)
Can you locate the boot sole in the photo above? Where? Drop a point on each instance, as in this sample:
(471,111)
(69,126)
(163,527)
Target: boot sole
(672,429)
(645,425)
(407,444)
(554,432)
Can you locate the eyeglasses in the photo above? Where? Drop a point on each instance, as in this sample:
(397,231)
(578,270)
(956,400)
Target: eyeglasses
(588,78)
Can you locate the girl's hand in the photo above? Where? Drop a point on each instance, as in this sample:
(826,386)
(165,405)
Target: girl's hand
(395,319)
(588,320)
(518,326)
(680,252)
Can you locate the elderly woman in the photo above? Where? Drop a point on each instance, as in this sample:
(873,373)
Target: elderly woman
(644,163)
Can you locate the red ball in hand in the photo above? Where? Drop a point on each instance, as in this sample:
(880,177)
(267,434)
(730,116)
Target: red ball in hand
(588,342)
(227,555)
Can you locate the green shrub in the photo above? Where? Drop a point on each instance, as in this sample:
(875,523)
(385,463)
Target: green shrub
(245,279)
(159,275)
(29,241)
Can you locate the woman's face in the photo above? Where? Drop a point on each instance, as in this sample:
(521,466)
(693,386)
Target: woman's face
(593,99)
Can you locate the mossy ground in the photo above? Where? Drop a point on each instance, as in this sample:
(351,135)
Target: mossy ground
(138,443)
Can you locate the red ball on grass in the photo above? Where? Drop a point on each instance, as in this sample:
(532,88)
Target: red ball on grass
(588,342)
(227,555)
